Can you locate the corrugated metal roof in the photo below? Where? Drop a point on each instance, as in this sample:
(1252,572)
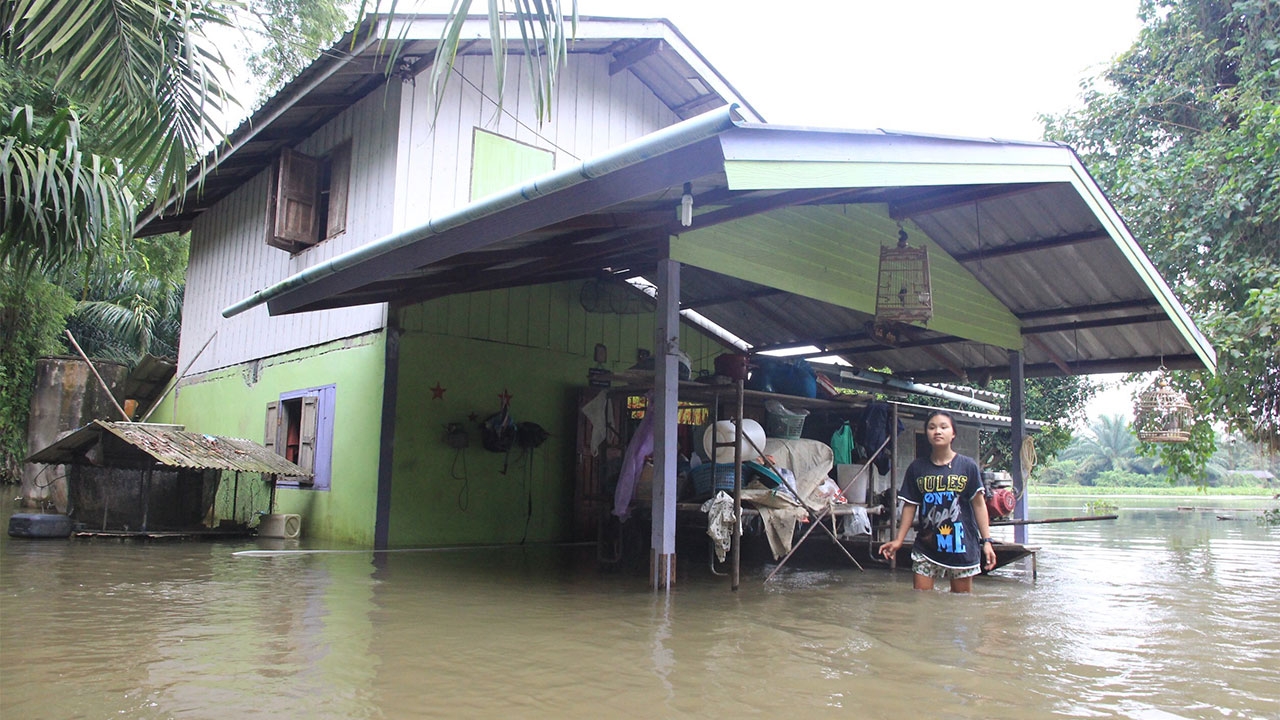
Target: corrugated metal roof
(112,444)
(1024,219)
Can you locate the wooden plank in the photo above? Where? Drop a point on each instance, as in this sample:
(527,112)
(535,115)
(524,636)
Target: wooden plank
(575,338)
(539,316)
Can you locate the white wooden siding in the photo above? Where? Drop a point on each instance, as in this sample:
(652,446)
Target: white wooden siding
(592,112)
(408,165)
(230,259)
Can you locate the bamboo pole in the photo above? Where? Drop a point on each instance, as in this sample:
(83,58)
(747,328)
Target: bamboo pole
(94,370)
(1082,518)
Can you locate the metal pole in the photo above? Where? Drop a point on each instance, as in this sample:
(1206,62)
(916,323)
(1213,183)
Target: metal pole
(665,407)
(736,548)
(1017,432)
(94,370)
(893,473)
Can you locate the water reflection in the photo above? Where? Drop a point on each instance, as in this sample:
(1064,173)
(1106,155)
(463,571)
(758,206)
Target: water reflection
(1163,613)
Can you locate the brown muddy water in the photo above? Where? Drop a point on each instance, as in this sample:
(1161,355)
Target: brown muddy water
(1163,613)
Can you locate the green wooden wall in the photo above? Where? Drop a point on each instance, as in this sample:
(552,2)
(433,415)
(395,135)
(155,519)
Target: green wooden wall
(833,254)
(457,356)
(232,402)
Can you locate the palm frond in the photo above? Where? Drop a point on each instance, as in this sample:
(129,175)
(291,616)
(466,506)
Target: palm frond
(57,201)
(544,42)
(141,64)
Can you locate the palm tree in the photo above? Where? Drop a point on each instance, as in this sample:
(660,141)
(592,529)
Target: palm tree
(125,315)
(146,72)
(1108,444)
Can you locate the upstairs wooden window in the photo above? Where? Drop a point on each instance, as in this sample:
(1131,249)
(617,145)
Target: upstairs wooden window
(307,202)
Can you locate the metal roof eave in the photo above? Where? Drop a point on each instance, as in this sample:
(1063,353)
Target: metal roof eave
(796,158)
(1155,282)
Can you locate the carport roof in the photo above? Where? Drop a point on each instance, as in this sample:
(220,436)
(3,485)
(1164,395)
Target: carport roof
(1024,219)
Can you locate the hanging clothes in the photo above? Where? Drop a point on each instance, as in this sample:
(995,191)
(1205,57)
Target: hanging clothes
(720,519)
(640,447)
(597,412)
(874,429)
(842,444)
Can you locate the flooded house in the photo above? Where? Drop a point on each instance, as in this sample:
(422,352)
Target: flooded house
(415,303)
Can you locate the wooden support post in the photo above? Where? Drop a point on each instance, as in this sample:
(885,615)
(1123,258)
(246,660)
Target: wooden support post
(1017,432)
(666,405)
(146,498)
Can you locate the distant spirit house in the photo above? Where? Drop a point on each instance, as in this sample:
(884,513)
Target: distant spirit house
(373,273)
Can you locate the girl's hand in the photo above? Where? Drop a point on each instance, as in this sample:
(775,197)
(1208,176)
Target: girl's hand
(889,549)
(988,556)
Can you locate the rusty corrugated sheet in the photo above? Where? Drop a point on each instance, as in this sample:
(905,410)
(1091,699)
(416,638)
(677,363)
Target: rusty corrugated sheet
(171,446)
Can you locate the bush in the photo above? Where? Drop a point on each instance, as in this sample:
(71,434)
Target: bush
(33,313)
(1057,472)
(1124,478)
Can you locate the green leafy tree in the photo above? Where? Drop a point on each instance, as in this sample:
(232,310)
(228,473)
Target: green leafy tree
(293,33)
(1059,401)
(1183,131)
(126,311)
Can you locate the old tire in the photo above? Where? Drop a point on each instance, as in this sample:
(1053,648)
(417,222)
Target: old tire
(39,525)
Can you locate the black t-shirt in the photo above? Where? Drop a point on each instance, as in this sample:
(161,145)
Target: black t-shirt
(946,531)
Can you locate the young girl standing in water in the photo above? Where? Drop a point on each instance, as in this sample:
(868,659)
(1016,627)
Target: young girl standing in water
(954,541)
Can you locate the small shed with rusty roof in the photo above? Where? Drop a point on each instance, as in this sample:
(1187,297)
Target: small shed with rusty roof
(145,477)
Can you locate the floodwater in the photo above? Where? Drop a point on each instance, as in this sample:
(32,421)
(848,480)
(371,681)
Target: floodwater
(1163,613)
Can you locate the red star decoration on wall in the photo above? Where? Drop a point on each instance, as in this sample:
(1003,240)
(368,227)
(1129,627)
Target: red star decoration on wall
(505,397)
(437,392)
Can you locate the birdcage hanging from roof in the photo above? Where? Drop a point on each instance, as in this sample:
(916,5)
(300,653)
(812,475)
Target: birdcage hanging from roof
(1162,414)
(903,292)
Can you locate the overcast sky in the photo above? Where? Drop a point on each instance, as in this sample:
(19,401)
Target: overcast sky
(983,68)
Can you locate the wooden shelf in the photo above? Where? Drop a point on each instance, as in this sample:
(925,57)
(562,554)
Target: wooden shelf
(638,381)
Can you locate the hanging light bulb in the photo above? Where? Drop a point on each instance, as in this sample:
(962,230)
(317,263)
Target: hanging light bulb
(686,206)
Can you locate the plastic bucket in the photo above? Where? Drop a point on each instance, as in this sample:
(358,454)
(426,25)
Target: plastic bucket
(857,492)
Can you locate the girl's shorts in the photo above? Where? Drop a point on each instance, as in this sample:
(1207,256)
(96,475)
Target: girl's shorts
(922,565)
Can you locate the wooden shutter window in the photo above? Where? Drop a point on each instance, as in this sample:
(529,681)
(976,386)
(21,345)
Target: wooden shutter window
(271,436)
(297,198)
(339,180)
(308,428)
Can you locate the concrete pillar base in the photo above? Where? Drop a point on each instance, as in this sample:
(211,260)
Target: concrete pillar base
(662,570)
